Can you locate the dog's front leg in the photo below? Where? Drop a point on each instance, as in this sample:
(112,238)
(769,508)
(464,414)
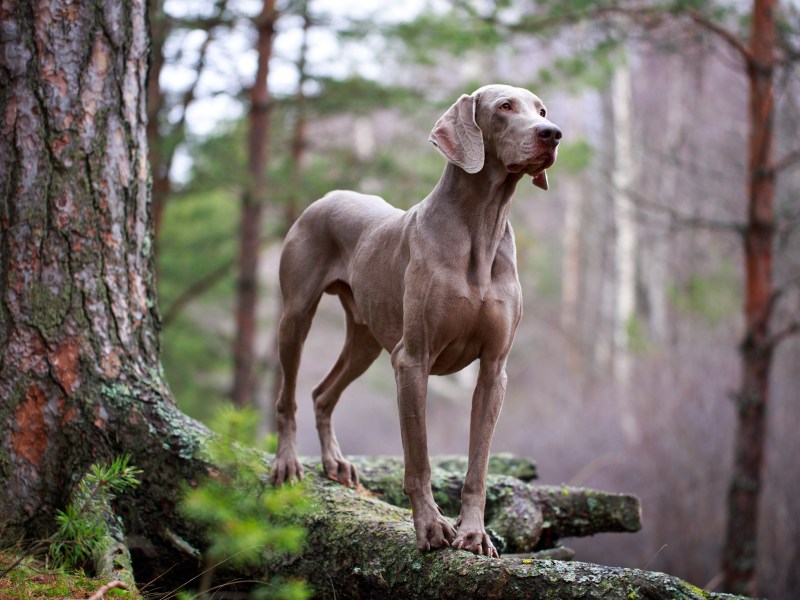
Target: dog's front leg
(486,403)
(411,374)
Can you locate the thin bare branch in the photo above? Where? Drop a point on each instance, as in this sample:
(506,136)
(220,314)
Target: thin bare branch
(196,289)
(679,219)
(723,33)
(792,328)
(787,161)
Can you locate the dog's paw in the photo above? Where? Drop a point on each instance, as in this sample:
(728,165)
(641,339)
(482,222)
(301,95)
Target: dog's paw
(285,470)
(433,534)
(477,542)
(341,470)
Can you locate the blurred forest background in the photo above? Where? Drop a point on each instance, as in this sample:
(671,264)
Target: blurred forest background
(632,265)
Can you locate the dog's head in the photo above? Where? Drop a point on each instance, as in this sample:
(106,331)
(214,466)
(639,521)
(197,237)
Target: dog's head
(508,122)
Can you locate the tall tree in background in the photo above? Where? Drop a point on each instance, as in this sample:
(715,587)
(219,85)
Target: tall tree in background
(625,239)
(759,55)
(244,352)
(292,202)
(758,51)
(163,134)
(752,399)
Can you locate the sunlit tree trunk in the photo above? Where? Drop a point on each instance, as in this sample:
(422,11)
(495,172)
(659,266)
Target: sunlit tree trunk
(244,349)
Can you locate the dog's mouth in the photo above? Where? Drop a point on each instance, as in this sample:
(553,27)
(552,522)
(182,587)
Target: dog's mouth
(536,164)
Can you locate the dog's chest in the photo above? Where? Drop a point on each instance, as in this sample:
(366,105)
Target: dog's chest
(467,320)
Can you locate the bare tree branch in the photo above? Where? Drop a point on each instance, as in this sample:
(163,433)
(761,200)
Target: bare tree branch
(196,289)
(677,218)
(792,328)
(723,33)
(787,161)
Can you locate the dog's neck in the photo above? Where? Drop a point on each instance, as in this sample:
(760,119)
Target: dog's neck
(476,204)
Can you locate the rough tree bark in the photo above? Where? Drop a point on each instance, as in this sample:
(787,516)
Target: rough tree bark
(80,377)
(244,351)
(79,372)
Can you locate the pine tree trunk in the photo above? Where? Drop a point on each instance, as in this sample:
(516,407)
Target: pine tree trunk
(159,161)
(80,376)
(244,349)
(741,540)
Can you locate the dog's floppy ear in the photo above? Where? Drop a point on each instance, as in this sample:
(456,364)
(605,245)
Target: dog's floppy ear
(541,180)
(457,136)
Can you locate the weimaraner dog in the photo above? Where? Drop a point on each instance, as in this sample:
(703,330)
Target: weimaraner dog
(436,286)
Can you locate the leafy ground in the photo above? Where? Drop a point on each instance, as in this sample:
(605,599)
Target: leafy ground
(33,579)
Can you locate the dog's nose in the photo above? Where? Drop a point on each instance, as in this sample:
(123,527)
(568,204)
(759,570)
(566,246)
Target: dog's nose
(548,133)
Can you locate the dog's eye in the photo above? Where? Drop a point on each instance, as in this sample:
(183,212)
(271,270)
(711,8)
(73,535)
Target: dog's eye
(542,113)
(505,106)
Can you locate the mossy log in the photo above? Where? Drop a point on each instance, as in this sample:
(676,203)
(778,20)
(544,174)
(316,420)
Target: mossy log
(361,547)
(528,517)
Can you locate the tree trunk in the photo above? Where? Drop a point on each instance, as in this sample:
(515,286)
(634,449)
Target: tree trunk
(159,161)
(80,377)
(291,210)
(244,349)
(625,242)
(741,539)
(656,254)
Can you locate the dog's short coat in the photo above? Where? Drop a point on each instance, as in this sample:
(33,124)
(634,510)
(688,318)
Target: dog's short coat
(435,286)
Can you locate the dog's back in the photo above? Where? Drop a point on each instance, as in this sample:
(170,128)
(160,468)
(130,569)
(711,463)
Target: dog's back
(321,243)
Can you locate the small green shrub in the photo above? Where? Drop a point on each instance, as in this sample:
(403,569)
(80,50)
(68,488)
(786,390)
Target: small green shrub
(246,520)
(84,525)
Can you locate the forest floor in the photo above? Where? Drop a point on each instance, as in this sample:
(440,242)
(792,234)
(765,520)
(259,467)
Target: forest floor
(34,579)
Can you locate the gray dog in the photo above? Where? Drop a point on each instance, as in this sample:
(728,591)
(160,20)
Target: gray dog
(435,286)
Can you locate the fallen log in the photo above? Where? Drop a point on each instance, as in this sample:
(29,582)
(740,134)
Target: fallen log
(361,547)
(526,516)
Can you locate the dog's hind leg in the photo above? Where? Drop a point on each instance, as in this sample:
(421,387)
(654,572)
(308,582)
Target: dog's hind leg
(359,352)
(302,285)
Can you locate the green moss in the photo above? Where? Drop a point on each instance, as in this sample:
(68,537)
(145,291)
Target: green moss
(32,579)
(50,308)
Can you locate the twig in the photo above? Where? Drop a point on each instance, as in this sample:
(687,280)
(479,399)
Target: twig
(787,161)
(99,594)
(726,34)
(182,545)
(789,330)
(678,218)
(198,288)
